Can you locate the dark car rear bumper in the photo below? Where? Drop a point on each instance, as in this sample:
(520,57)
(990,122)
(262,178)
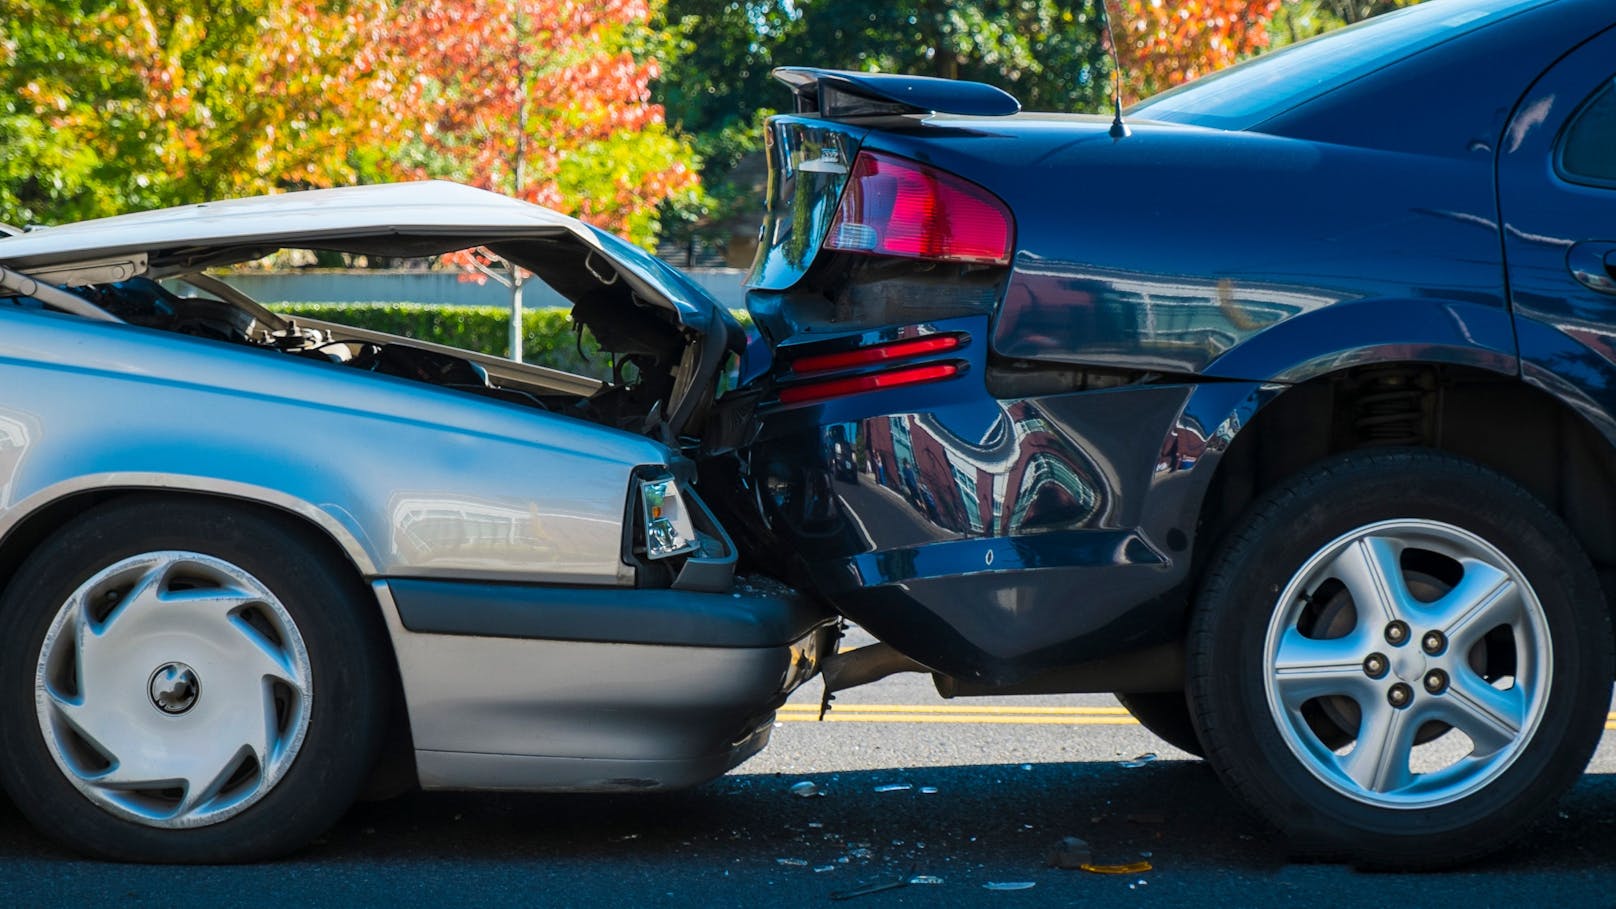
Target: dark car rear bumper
(993,539)
(575,689)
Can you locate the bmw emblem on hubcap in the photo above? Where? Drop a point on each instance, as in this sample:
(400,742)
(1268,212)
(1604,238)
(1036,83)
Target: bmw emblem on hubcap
(174,688)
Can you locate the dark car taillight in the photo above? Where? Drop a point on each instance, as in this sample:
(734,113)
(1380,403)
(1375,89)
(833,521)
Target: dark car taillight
(896,207)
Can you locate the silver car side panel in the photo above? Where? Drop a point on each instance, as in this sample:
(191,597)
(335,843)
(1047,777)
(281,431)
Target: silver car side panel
(576,715)
(413,480)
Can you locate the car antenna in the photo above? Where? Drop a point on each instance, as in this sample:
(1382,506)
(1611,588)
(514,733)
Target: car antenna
(1119,130)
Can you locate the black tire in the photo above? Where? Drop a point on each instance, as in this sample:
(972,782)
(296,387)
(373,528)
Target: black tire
(348,688)
(1253,747)
(1167,716)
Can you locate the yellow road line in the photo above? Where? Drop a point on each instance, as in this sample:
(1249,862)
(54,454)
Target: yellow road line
(954,708)
(985,714)
(960,718)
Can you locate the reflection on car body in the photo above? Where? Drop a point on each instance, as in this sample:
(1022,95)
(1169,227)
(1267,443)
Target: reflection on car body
(1112,402)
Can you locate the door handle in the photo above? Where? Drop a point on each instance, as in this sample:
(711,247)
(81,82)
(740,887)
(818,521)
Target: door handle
(1594,266)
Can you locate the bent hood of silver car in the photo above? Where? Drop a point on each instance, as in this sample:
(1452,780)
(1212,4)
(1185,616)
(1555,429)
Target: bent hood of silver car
(615,287)
(400,219)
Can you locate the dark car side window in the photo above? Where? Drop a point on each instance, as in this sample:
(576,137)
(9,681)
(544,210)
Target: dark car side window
(1588,150)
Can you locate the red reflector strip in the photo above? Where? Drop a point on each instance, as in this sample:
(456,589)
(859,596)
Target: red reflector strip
(879,353)
(836,388)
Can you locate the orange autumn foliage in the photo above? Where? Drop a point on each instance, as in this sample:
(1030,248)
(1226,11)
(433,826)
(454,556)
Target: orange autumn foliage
(1163,43)
(548,100)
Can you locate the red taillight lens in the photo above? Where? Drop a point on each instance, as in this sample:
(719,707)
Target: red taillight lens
(896,207)
(836,388)
(877,354)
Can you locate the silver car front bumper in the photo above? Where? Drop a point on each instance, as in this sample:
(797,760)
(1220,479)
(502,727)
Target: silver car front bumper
(593,689)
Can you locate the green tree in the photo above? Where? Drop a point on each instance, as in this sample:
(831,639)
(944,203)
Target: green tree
(1045,52)
(716,74)
(547,100)
(1300,19)
(717,87)
(112,105)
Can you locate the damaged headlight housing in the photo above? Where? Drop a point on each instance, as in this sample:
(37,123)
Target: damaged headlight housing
(668,528)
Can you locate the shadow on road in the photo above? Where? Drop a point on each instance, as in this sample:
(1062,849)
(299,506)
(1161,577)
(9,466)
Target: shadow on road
(748,831)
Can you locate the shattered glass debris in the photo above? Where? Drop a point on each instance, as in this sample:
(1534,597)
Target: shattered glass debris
(1070,852)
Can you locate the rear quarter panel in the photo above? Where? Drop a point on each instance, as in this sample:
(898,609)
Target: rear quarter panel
(1174,249)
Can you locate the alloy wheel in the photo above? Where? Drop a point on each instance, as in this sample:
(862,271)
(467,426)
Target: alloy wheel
(1441,658)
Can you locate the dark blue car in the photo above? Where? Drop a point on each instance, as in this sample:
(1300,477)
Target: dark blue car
(1285,410)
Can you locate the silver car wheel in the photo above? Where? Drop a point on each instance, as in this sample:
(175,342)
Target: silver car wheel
(1472,656)
(173,689)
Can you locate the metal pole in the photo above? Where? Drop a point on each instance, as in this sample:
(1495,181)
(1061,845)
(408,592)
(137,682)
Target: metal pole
(516,313)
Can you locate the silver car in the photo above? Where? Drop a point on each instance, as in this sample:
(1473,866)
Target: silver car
(249,563)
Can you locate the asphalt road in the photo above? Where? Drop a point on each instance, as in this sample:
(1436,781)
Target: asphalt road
(1009,781)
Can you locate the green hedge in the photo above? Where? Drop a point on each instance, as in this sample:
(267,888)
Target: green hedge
(547,338)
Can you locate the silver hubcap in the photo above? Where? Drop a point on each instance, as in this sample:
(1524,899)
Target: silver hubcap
(1408,664)
(173,689)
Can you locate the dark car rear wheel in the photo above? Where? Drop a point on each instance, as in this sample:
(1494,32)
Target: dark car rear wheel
(1400,658)
(1167,716)
(186,681)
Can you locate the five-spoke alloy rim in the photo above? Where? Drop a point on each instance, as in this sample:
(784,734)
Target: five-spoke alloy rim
(1401,633)
(173,689)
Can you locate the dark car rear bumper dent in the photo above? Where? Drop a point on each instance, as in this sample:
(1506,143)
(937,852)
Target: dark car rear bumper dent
(1065,549)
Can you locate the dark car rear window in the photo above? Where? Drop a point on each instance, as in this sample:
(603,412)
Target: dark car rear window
(1245,95)
(1589,152)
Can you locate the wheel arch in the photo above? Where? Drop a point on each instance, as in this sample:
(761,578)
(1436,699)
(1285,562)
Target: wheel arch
(30,521)
(1389,329)
(34,521)
(1473,412)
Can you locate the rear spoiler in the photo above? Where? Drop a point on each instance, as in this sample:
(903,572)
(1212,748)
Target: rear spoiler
(837,94)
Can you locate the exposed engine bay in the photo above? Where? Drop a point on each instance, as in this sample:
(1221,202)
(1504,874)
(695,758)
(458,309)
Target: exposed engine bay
(664,343)
(653,364)
(644,352)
